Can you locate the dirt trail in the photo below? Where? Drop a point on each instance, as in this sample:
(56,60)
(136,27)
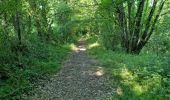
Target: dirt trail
(81,78)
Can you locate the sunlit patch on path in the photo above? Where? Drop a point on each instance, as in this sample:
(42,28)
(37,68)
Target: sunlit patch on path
(81,78)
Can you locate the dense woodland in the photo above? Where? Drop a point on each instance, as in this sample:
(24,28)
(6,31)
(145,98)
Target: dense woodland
(130,37)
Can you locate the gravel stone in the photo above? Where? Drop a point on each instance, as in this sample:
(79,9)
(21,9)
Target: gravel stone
(81,78)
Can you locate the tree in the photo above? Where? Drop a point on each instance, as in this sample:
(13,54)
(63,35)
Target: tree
(137,20)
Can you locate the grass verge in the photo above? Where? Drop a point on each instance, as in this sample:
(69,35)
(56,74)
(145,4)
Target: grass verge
(42,59)
(138,77)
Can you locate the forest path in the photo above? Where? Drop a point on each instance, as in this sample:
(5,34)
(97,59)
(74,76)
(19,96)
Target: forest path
(81,78)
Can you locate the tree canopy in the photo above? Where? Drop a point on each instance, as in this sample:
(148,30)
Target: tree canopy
(33,33)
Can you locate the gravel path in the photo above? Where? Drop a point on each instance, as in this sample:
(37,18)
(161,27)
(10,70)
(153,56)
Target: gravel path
(81,78)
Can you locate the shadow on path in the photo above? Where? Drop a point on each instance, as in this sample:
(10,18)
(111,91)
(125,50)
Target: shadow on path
(81,78)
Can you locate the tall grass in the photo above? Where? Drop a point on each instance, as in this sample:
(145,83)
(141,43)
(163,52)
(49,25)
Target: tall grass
(138,77)
(40,60)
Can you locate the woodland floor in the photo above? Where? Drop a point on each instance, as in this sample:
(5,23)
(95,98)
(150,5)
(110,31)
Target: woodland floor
(81,78)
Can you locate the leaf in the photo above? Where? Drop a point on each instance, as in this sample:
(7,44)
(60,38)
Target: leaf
(106,3)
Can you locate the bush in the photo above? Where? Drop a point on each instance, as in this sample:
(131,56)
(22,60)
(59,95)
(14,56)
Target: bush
(142,77)
(41,58)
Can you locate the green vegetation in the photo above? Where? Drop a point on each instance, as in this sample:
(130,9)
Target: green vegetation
(43,61)
(131,38)
(133,45)
(31,46)
(142,77)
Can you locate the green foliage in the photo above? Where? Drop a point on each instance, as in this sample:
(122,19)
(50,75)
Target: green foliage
(106,3)
(63,11)
(41,59)
(29,46)
(64,22)
(34,34)
(108,31)
(135,20)
(141,77)
(160,42)
(109,37)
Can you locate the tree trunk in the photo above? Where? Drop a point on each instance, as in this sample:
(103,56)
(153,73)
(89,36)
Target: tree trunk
(18,27)
(135,30)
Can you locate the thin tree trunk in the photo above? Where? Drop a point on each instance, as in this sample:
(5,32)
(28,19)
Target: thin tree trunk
(5,25)
(18,27)
(29,24)
(143,43)
(134,33)
(137,25)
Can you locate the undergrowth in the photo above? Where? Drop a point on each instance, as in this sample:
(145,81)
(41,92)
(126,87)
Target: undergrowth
(138,77)
(41,59)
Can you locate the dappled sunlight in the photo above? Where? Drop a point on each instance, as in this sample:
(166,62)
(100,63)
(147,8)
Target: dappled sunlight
(99,72)
(130,72)
(77,48)
(138,89)
(81,48)
(73,47)
(119,91)
(88,72)
(93,45)
(126,74)
(129,80)
(99,49)
(134,84)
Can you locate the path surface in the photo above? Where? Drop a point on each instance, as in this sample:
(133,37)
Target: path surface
(81,78)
